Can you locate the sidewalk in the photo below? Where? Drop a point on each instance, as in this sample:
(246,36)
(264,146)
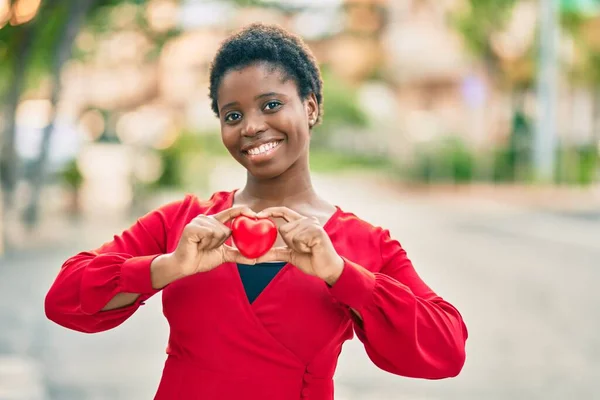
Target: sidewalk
(562,199)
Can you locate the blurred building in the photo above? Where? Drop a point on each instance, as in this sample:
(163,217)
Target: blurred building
(142,85)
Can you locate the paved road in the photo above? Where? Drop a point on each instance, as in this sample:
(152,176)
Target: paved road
(526,283)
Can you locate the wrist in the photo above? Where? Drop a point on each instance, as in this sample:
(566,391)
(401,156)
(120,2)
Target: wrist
(336,271)
(164,270)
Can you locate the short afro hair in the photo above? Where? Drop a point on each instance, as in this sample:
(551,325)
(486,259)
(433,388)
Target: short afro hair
(258,43)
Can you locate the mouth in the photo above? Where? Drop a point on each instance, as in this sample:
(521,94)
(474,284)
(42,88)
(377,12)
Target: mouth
(264,151)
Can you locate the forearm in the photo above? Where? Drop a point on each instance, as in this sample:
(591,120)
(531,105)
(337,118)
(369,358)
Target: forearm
(163,271)
(403,334)
(121,300)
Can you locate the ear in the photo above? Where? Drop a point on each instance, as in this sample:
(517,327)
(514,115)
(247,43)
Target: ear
(312,109)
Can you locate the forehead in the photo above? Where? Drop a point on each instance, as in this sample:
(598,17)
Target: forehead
(253,80)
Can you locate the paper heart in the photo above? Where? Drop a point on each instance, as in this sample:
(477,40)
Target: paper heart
(253,236)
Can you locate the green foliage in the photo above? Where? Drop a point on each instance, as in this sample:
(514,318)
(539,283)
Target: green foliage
(340,102)
(186,163)
(71,175)
(477,22)
(9,36)
(334,161)
(513,161)
(446,160)
(45,28)
(510,164)
(578,165)
(451,160)
(49,25)
(581,7)
(586,69)
(340,108)
(479,19)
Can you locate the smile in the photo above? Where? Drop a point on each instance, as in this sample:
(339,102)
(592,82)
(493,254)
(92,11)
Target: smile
(263,148)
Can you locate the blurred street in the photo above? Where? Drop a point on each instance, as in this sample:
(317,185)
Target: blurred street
(525,282)
(480,154)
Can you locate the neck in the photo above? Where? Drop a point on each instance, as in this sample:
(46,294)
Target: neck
(294,185)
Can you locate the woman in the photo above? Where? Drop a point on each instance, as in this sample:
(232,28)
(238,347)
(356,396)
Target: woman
(272,327)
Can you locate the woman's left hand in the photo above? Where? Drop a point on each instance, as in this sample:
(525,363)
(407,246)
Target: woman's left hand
(308,245)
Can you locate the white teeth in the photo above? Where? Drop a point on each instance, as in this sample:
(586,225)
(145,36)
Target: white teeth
(262,148)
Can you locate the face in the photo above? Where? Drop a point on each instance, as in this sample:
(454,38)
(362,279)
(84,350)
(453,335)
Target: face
(265,124)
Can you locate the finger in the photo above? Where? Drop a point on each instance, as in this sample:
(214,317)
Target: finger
(280,212)
(281,253)
(304,238)
(196,232)
(220,232)
(201,236)
(233,212)
(233,255)
(215,242)
(289,226)
(218,227)
(289,232)
(208,222)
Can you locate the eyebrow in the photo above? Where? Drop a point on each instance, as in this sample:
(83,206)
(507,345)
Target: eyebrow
(260,96)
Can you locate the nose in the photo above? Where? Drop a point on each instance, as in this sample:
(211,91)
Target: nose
(253,125)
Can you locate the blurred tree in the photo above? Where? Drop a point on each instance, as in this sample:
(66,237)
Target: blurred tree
(340,109)
(478,23)
(73,15)
(581,20)
(15,51)
(25,51)
(481,24)
(74,19)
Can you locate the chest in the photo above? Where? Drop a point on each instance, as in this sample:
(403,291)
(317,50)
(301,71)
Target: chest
(294,309)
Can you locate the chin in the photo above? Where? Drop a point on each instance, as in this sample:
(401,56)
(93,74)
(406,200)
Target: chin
(266,173)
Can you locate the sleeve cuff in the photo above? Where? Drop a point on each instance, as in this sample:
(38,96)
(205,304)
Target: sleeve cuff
(355,285)
(135,275)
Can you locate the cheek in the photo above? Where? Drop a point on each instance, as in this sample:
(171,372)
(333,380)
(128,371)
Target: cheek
(293,125)
(228,136)
(302,131)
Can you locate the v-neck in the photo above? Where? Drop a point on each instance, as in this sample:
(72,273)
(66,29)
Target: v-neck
(269,287)
(256,277)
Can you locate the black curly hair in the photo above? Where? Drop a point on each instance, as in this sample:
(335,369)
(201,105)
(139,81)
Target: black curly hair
(272,44)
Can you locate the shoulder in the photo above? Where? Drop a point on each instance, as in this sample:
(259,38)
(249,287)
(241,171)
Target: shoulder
(364,243)
(354,232)
(350,221)
(191,205)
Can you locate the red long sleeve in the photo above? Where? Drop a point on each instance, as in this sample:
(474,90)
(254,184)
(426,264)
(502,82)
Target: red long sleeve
(89,280)
(406,328)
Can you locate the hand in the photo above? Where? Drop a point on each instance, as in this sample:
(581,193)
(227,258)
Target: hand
(202,246)
(308,245)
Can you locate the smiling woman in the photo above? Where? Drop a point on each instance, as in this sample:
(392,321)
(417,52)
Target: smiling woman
(270,327)
(267,133)
(267,100)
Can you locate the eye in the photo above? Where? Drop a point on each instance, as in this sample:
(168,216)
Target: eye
(233,116)
(272,105)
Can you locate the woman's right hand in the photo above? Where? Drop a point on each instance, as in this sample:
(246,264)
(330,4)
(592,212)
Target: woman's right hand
(202,244)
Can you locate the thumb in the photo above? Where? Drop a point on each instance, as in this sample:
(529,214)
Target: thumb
(233,255)
(282,253)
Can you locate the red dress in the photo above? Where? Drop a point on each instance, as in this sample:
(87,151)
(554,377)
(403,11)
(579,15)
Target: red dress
(284,345)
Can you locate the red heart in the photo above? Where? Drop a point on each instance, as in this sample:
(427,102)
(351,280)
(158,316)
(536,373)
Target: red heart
(253,236)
